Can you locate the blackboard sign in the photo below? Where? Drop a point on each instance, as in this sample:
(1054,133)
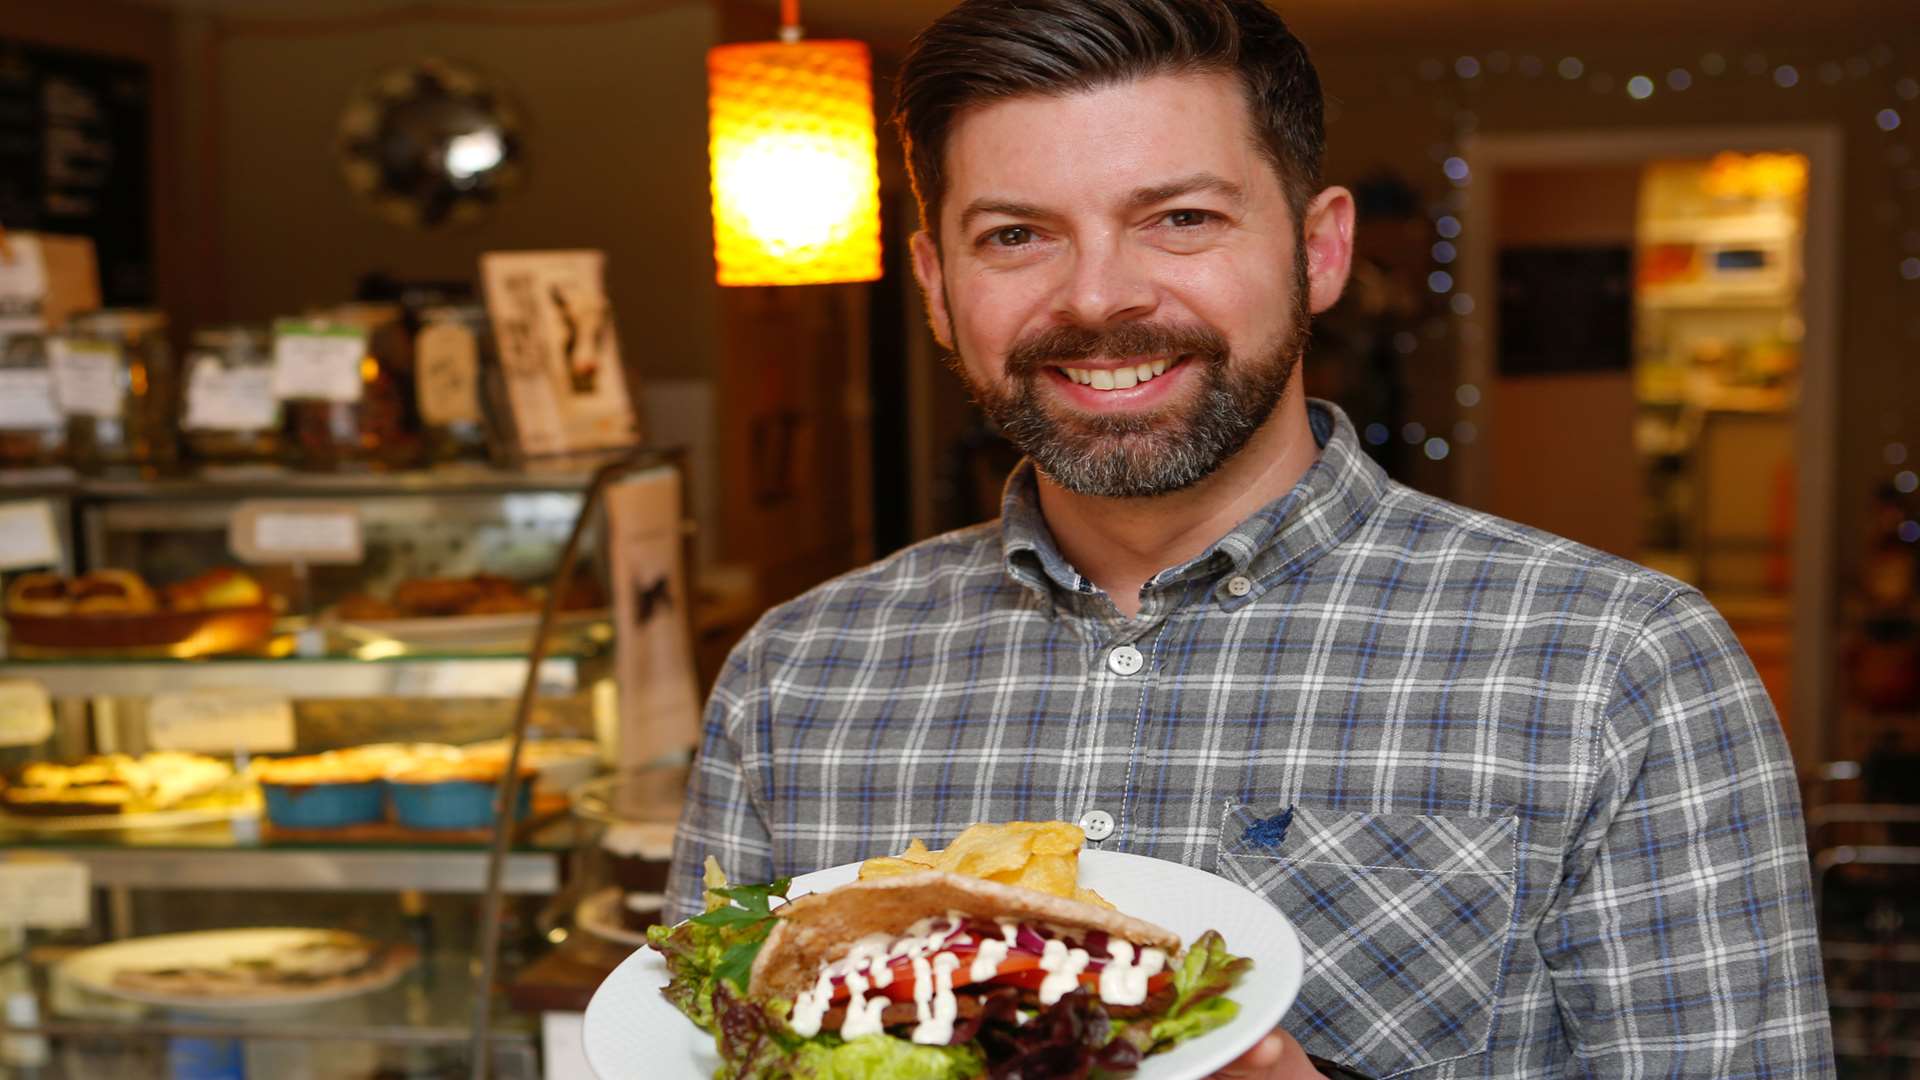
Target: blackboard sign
(74,157)
(1565,310)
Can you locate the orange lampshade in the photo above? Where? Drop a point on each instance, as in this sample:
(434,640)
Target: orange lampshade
(796,194)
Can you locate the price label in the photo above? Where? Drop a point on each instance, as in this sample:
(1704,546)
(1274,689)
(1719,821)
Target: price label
(43,891)
(28,536)
(221,721)
(23,286)
(86,377)
(296,532)
(312,361)
(229,399)
(26,400)
(26,713)
(447,374)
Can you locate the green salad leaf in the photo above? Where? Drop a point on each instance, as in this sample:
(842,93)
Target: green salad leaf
(1205,972)
(717,945)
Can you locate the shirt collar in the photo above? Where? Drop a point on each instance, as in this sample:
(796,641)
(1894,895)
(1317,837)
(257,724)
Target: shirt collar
(1335,495)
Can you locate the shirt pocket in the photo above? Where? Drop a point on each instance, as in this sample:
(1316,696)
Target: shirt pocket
(1405,920)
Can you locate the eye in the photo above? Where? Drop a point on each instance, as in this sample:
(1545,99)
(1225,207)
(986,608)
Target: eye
(1010,236)
(1187,219)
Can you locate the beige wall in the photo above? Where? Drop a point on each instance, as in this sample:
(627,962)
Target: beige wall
(1562,452)
(615,127)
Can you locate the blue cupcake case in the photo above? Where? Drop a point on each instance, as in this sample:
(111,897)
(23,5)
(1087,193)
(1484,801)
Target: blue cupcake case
(324,806)
(450,804)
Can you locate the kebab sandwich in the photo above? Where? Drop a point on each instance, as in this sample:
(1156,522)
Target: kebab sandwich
(924,970)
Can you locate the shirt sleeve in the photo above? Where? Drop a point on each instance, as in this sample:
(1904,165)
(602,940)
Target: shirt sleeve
(1682,941)
(723,816)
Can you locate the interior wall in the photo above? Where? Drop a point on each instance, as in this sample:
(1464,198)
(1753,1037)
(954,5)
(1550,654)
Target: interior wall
(614,110)
(1562,451)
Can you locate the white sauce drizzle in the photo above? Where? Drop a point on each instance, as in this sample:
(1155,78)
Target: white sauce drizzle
(863,1016)
(937,1030)
(986,962)
(1124,982)
(810,1005)
(1063,967)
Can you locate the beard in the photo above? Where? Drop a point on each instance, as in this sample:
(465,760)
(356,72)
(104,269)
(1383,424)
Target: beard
(1151,453)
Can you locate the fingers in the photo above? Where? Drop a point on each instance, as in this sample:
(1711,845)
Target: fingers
(1258,1062)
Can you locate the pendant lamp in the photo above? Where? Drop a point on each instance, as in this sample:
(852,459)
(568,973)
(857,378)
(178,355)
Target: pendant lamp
(796,193)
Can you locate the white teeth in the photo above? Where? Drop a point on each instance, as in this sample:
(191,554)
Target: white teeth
(1117,378)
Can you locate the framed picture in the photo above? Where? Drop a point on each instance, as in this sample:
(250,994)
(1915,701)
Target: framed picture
(559,353)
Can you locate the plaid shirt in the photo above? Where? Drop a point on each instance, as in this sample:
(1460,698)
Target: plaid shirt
(1526,803)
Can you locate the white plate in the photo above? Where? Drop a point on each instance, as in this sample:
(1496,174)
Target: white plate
(93,969)
(632,1031)
(509,629)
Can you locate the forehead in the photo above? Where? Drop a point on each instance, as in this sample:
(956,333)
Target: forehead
(1085,146)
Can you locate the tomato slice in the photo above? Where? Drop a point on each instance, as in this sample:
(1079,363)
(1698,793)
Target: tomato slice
(901,988)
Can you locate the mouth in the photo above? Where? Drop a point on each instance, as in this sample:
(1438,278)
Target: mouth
(1112,377)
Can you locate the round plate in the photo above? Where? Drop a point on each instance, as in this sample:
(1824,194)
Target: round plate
(633,1032)
(93,969)
(599,914)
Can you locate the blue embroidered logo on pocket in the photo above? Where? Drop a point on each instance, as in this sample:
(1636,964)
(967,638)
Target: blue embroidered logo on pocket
(1269,832)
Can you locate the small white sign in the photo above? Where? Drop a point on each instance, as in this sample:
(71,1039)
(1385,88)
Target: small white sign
(312,361)
(296,532)
(446,363)
(229,399)
(26,401)
(23,285)
(26,713)
(45,892)
(28,536)
(221,721)
(86,377)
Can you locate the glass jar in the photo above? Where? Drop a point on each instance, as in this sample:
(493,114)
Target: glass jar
(130,421)
(228,414)
(32,430)
(372,427)
(455,378)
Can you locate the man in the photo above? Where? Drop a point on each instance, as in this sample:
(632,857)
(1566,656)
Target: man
(1526,803)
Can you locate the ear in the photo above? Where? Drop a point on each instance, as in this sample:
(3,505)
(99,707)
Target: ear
(926,270)
(1327,232)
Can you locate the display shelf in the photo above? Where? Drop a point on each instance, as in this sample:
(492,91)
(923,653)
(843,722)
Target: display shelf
(233,482)
(303,678)
(223,856)
(430,1006)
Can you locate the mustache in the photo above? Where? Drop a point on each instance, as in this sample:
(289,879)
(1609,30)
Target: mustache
(1061,344)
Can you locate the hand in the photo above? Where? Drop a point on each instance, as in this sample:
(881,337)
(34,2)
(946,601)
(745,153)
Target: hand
(1276,1057)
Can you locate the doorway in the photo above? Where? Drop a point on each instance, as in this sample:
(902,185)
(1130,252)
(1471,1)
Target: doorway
(1655,369)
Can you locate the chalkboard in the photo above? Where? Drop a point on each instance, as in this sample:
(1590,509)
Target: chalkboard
(1565,310)
(74,157)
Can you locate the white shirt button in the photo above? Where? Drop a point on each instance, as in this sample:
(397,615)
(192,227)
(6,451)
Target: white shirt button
(1097,824)
(1125,660)
(1239,585)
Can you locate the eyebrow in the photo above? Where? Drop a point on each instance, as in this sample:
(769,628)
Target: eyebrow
(1142,196)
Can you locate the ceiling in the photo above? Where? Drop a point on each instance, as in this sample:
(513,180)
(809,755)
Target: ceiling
(890,24)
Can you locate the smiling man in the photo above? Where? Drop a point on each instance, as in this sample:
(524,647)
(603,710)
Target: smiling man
(1526,803)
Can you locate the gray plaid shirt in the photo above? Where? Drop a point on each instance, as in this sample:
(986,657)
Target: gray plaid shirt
(1527,803)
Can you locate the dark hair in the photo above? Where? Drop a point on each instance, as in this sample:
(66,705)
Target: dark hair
(987,50)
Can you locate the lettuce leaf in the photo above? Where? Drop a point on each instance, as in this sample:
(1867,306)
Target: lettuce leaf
(1206,971)
(716,946)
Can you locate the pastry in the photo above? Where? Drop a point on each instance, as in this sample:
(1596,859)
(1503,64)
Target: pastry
(39,594)
(112,592)
(225,587)
(361,607)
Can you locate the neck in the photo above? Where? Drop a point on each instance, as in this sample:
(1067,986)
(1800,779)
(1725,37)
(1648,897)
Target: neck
(1120,543)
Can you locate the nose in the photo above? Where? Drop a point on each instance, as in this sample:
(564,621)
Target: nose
(1105,283)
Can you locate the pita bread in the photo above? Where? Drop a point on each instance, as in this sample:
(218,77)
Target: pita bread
(819,928)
